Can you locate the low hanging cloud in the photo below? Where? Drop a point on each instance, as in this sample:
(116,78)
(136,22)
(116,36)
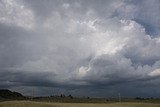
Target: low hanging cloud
(80,45)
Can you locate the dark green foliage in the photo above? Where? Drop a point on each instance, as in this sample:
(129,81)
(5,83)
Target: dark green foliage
(70,96)
(7,94)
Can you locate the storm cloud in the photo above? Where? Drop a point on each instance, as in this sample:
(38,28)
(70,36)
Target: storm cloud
(92,48)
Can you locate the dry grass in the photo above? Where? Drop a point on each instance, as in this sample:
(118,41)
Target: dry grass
(42,104)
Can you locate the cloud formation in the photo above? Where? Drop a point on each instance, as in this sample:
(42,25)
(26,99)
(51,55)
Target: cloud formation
(77,46)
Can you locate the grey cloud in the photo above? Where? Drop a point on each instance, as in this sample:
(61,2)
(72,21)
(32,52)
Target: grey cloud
(80,46)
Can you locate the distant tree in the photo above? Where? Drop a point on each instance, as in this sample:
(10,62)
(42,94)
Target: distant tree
(107,99)
(139,98)
(151,98)
(62,96)
(70,96)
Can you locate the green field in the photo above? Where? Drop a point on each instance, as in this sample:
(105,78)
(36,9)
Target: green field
(43,104)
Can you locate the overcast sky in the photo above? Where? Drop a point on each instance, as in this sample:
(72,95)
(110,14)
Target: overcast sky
(80,47)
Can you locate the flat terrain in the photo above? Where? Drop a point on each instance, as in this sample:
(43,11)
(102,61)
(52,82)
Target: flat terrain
(43,104)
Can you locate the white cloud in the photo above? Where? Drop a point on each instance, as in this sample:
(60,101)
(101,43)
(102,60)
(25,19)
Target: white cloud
(155,73)
(13,12)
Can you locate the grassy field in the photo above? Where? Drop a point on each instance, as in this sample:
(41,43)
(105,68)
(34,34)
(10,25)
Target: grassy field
(43,104)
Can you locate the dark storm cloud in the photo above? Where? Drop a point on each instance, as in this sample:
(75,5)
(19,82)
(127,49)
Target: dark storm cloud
(80,47)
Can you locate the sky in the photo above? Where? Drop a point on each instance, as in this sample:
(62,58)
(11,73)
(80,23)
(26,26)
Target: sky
(96,48)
